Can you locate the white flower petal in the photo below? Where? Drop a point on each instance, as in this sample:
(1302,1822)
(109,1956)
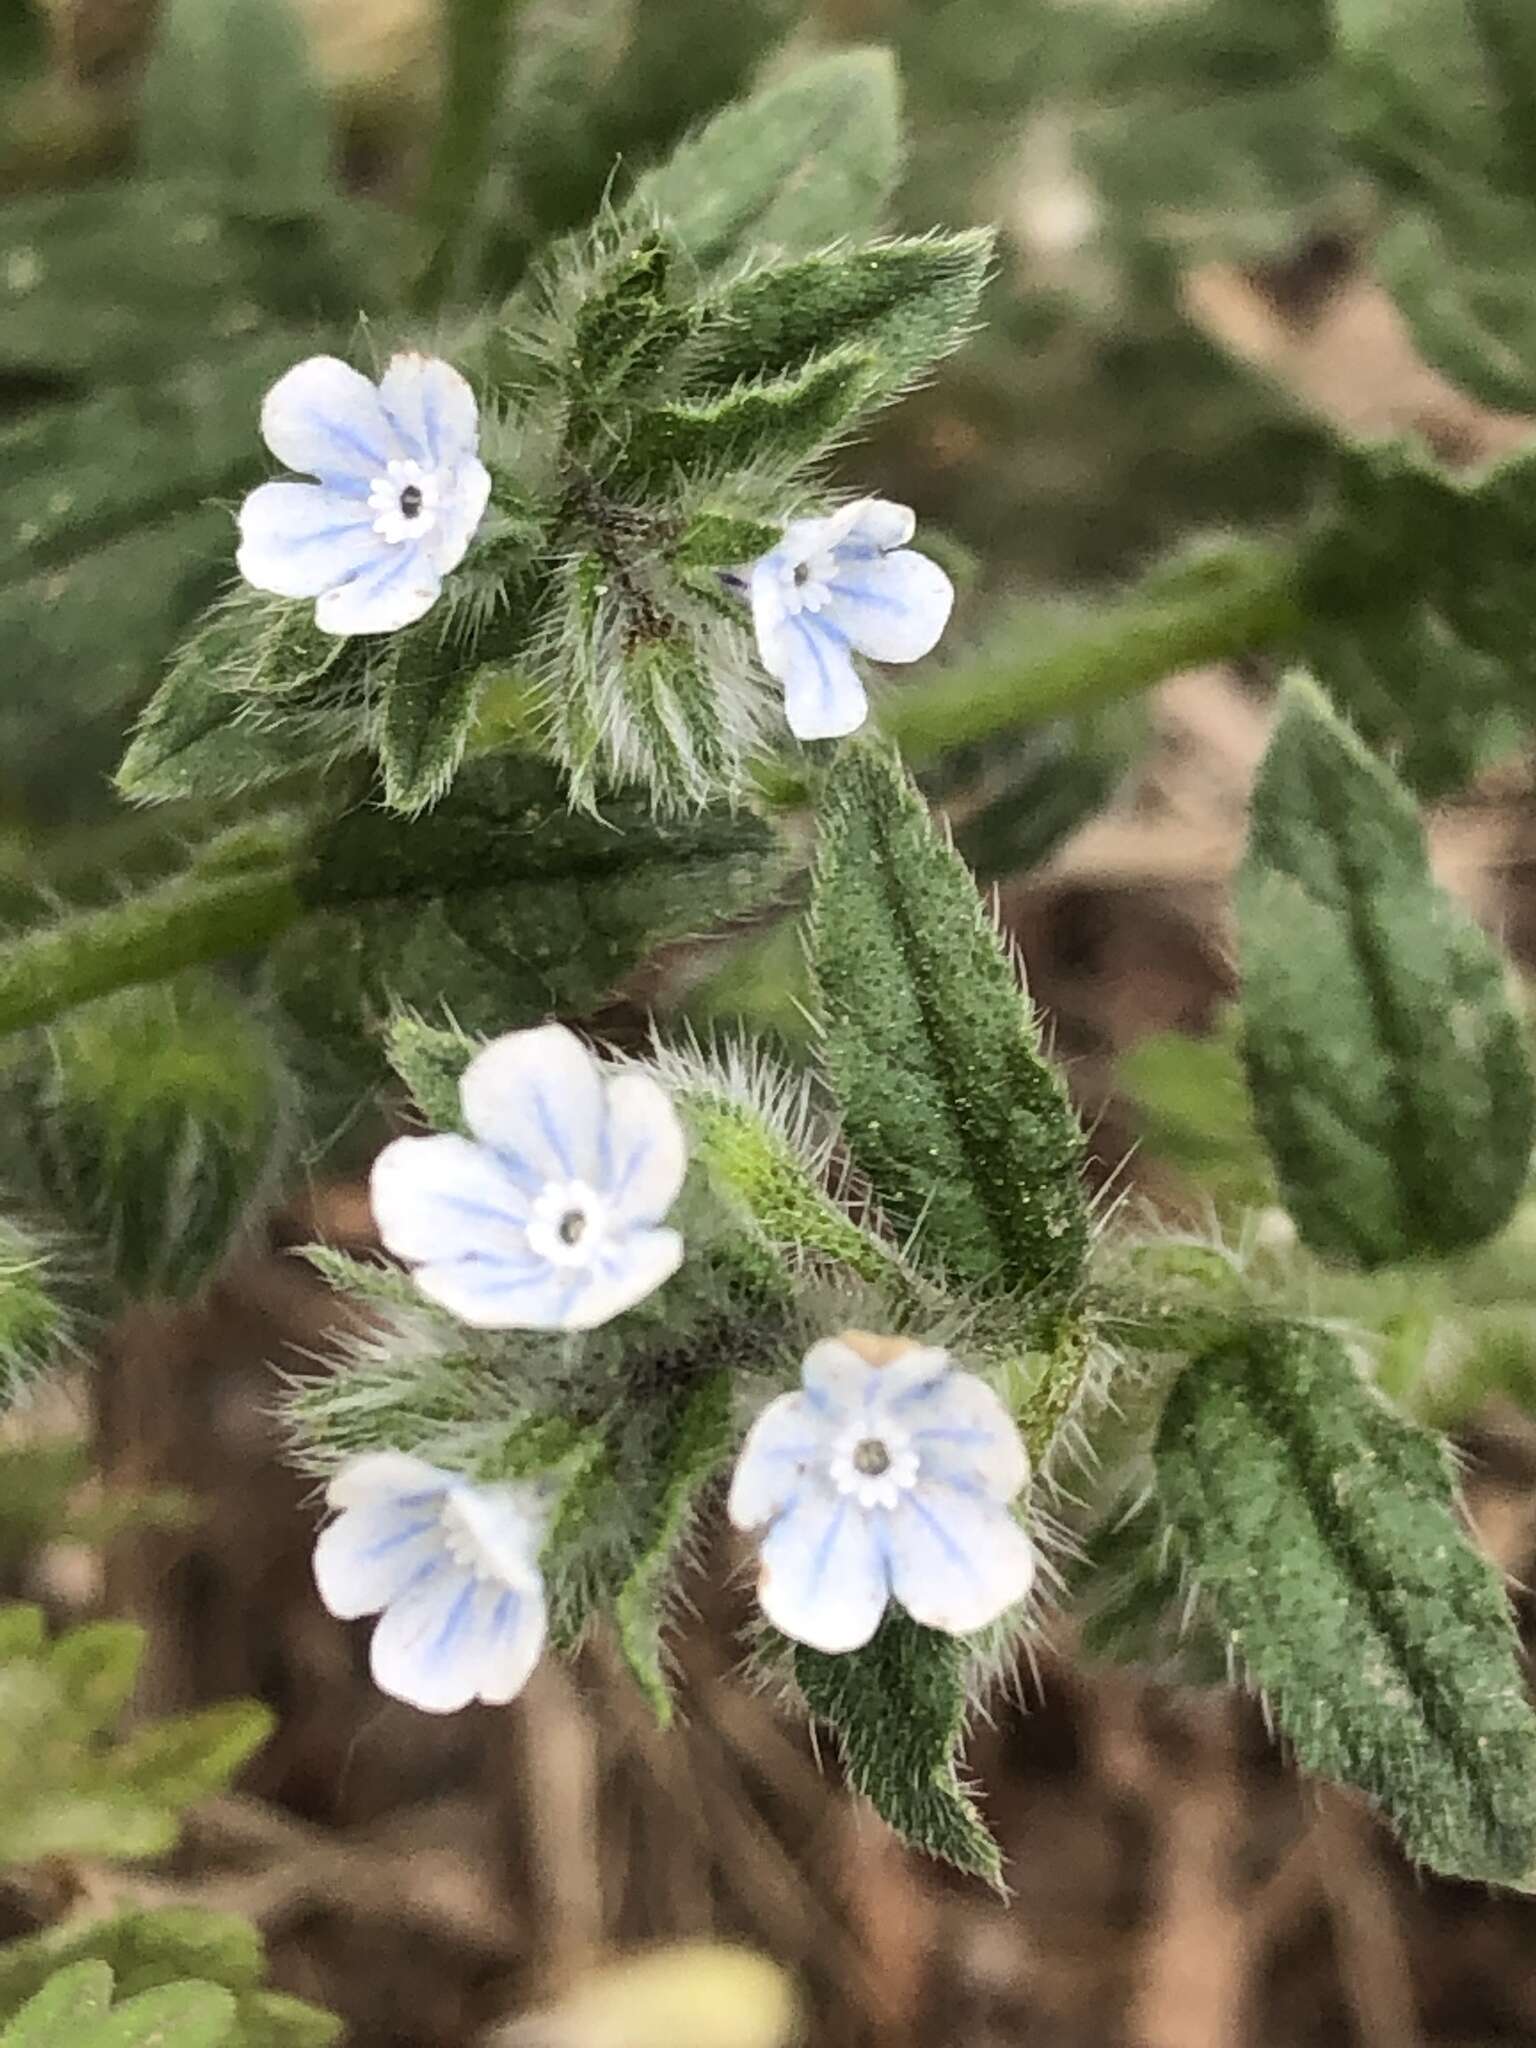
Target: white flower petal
(443,1197)
(808,653)
(370,1555)
(379,1476)
(787,1441)
(876,523)
(629,1268)
(824,1572)
(964,1425)
(537,1098)
(431,408)
(838,1382)
(430,1647)
(299,539)
(325,418)
(512,1641)
(645,1154)
(460,511)
(890,607)
(504,1294)
(395,589)
(958,1559)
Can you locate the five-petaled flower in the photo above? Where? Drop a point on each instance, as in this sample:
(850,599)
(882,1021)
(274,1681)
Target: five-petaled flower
(401,491)
(879,1482)
(835,587)
(547,1217)
(453,1570)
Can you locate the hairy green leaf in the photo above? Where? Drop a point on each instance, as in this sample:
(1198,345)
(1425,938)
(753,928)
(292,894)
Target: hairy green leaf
(932,1048)
(502,905)
(898,1707)
(1389,1078)
(904,304)
(1440,96)
(779,420)
(1323,1531)
(810,159)
(161,1123)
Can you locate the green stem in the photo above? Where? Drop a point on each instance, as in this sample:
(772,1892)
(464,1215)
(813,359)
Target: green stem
(1244,597)
(477,37)
(178,925)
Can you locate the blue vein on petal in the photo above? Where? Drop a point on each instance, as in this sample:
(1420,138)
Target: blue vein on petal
(823,1552)
(336,432)
(957,1554)
(453,1625)
(552,1135)
(824,678)
(869,597)
(393,1541)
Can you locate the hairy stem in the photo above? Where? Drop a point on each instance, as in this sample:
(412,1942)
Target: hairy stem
(180,924)
(1243,597)
(476,39)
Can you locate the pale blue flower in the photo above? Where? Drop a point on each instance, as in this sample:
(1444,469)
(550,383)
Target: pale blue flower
(884,1482)
(548,1216)
(452,1569)
(401,491)
(837,587)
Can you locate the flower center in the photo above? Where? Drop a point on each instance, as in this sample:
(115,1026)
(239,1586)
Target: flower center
(567,1224)
(875,1470)
(461,1542)
(806,586)
(404,501)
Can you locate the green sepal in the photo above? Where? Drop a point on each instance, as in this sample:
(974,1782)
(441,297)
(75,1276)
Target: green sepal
(1323,1533)
(701,1442)
(723,540)
(902,304)
(813,157)
(778,420)
(898,1708)
(430,1059)
(1387,1068)
(161,1122)
(932,1048)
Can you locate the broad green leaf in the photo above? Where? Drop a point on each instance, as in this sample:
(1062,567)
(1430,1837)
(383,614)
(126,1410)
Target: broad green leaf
(161,1122)
(701,1443)
(898,1707)
(933,1050)
(501,905)
(1440,96)
(230,100)
(60,2013)
(1416,615)
(186,1758)
(142,1951)
(807,161)
(1386,1064)
(172,2016)
(1323,1532)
